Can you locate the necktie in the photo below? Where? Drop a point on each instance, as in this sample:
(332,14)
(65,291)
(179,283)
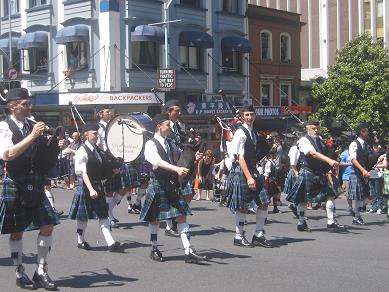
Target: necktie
(168,150)
(26,129)
(253,136)
(97,155)
(177,131)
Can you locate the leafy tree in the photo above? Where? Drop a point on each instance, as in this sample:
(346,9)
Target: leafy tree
(357,87)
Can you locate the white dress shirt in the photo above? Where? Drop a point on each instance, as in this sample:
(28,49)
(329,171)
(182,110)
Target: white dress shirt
(305,146)
(151,151)
(101,138)
(352,149)
(6,135)
(81,158)
(267,170)
(294,155)
(237,144)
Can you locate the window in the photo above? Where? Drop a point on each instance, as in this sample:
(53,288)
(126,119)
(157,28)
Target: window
(13,5)
(231,6)
(285,94)
(379,19)
(266,45)
(190,58)
(266,93)
(191,3)
(232,62)
(285,48)
(15,61)
(34,3)
(35,60)
(145,54)
(77,55)
(367,16)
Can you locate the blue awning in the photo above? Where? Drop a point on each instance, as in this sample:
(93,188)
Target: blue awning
(148,33)
(36,39)
(74,33)
(195,39)
(236,44)
(4,44)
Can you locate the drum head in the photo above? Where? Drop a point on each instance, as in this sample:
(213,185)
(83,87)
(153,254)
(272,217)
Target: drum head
(125,137)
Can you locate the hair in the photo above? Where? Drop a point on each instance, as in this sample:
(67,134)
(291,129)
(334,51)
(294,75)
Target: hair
(209,153)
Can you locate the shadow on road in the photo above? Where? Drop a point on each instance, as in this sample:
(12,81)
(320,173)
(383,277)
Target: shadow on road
(212,231)
(282,241)
(29,258)
(202,209)
(89,279)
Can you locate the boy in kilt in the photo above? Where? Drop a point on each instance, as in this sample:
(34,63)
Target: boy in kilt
(358,189)
(164,199)
(246,185)
(314,187)
(292,176)
(23,204)
(89,199)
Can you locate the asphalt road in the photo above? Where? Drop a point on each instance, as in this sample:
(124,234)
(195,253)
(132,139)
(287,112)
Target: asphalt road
(317,261)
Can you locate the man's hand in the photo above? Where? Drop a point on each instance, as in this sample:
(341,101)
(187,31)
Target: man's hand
(198,155)
(365,173)
(93,194)
(334,163)
(182,171)
(252,184)
(61,143)
(37,130)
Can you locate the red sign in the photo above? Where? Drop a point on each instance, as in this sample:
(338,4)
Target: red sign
(166,79)
(12,74)
(296,109)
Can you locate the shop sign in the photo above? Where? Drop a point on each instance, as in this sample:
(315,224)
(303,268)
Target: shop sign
(207,108)
(110,98)
(268,111)
(296,109)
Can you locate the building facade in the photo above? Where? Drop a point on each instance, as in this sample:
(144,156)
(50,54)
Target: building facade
(90,52)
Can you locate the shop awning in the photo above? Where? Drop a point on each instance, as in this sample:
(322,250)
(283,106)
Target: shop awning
(236,44)
(74,33)
(192,38)
(4,45)
(148,33)
(36,39)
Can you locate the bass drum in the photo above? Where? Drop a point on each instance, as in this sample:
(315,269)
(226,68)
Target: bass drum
(126,135)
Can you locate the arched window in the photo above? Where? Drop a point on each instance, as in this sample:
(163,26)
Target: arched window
(285,54)
(266,45)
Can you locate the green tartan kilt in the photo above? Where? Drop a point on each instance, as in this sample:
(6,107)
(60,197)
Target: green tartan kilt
(311,188)
(238,192)
(127,178)
(157,206)
(386,182)
(187,190)
(14,217)
(358,188)
(83,207)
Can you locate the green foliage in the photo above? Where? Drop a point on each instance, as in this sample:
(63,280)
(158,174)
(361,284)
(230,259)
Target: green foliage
(357,87)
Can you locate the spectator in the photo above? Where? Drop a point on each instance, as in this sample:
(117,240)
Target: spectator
(204,174)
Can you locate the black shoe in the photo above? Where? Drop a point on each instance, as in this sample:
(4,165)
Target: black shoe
(115,220)
(293,208)
(243,242)
(84,245)
(303,227)
(44,281)
(136,208)
(194,258)
(156,255)
(261,241)
(335,227)
(172,233)
(275,210)
(358,221)
(115,247)
(24,281)
(58,213)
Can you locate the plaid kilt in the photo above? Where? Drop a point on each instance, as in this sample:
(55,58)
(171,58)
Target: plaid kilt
(71,166)
(223,182)
(386,182)
(83,207)
(311,188)
(125,179)
(157,206)
(289,181)
(238,192)
(14,217)
(375,187)
(188,190)
(358,188)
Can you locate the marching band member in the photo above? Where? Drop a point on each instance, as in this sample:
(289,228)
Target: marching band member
(358,189)
(89,199)
(314,185)
(23,204)
(164,200)
(292,177)
(247,184)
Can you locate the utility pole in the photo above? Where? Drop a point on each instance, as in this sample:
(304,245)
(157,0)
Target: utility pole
(10,33)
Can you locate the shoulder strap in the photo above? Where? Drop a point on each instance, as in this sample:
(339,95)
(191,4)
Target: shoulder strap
(102,126)
(161,150)
(17,135)
(247,133)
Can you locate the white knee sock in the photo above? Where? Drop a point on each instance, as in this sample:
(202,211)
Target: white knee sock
(169,224)
(111,204)
(16,247)
(43,246)
(128,196)
(154,228)
(330,207)
(139,197)
(240,218)
(260,222)
(301,208)
(183,229)
(104,225)
(117,198)
(356,204)
(81,227)
(50,197)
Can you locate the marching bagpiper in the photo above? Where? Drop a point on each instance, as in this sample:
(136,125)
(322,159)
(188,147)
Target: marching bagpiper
(164,199)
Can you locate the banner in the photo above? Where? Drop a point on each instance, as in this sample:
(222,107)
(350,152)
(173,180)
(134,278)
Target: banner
(207,108)
(110,98)
(268,111)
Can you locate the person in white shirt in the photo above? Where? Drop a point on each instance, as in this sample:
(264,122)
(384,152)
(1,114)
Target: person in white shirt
(292,177)
(164,199)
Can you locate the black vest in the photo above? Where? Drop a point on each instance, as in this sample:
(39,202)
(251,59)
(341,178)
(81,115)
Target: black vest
(94,168)
(160,173)
(308,161)
(250,151)
(21,165)
(363,156)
